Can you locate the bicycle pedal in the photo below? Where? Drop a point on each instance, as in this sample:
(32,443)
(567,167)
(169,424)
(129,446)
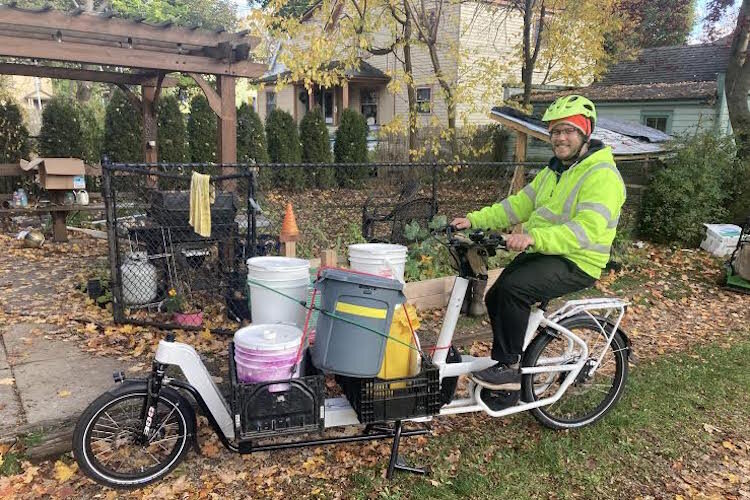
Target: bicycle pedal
(500,400)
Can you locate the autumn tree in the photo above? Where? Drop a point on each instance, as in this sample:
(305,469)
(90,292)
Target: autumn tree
(738,72)
(657,23)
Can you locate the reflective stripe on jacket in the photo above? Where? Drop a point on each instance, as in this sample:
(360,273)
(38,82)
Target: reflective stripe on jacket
(573,214)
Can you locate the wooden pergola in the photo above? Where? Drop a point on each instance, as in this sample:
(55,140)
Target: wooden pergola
(131,53)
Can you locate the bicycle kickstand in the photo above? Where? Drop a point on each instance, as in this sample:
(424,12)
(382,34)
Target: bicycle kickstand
(397,462)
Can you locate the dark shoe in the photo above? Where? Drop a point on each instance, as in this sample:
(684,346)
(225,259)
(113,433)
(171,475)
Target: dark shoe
(500,400)
(499,377)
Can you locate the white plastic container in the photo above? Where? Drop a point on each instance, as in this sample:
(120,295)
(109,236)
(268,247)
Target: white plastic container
(288,276)
(721,239)
(264,353)
(139,279)
(383,259)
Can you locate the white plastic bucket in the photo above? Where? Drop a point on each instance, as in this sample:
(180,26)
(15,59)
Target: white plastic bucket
(264,353)
(383,259)
(288,276)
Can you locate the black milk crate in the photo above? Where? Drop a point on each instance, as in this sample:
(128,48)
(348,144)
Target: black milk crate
(378,400)
(267,409)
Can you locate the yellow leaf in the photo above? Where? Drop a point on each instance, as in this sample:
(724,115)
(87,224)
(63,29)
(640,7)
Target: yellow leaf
(63,394)
(728,445)
(63,472)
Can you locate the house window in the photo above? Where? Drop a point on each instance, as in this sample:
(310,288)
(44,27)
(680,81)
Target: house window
(424,100)
(658,120)
(270,102)
(369,105)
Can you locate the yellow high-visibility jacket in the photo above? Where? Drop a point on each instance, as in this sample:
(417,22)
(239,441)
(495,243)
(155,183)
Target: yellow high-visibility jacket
(573,213)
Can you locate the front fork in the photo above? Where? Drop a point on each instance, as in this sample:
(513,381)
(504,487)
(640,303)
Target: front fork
(148,412)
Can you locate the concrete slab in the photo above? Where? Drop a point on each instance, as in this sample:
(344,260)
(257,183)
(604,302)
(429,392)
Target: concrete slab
(62,387)
(25,343)
(10,408)
(3,358)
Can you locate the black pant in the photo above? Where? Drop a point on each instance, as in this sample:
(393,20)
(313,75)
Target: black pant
(529,279)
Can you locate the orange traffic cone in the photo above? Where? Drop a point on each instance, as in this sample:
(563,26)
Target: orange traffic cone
(289,229)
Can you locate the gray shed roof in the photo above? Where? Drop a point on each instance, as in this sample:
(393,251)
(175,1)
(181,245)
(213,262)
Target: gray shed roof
(628,140)
(684,63)
(702,91)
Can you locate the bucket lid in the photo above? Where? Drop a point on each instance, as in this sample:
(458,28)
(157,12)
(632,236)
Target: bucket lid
(268,337)
(278,264)
(361,279)
(378,248)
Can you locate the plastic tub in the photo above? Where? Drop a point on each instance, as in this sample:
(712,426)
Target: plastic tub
(266,352)
(383,259)
(342,346)
(290,277)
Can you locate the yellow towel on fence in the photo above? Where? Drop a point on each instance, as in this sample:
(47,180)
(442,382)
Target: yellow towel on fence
(202,196)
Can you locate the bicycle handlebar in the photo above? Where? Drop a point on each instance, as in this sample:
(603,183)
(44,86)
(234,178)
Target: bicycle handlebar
(478,237)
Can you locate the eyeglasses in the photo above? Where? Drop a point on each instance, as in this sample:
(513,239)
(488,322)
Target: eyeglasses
(563,131)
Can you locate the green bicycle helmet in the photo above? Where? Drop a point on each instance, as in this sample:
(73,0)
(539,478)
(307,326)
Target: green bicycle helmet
(570,105)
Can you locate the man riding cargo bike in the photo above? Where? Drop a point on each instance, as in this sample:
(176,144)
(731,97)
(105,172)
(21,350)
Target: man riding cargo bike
(569,214)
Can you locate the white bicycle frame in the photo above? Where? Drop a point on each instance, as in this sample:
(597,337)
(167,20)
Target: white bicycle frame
(338,411)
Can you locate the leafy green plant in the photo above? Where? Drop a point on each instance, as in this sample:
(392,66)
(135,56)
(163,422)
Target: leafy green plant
(102,275)
(284,147)
(61,134)
(350,146)
(202,130)
(316,147)
(427,257)
(172,134)
(251,136)
(14,137)
(175,302)
(123,126)
(694,188)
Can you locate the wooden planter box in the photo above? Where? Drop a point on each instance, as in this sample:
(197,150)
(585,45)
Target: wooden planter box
(426,294)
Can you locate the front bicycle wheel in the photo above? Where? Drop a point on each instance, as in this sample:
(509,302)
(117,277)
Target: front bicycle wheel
(591,395)
(105,440)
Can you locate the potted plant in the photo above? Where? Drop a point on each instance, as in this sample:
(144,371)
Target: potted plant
(176,305)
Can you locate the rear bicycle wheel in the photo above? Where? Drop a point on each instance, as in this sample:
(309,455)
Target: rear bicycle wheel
(590,396)
(105,444)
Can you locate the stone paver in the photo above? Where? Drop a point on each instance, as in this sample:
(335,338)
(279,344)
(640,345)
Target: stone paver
(25,343)
(61,388)
(10,409)
(55,380)
(3,358)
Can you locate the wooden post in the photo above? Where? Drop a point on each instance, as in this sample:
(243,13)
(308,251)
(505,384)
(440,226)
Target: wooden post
(289,248)
(227,136)
(59,230)
(329,258)
(310,103)
(344,101)
(149,134)
(519,174)
(289,232)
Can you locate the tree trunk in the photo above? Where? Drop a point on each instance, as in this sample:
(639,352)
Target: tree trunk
(738,83)
(448,94)
(411,91)
(530,56)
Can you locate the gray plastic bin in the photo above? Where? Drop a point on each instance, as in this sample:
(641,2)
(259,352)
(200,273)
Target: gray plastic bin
(341,347)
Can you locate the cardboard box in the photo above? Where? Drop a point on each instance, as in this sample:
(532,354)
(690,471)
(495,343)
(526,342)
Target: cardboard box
(58,173)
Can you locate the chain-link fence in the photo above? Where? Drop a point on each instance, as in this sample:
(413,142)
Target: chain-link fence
(168,275)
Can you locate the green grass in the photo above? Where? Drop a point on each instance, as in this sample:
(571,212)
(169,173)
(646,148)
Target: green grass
(659,419)
(10,464)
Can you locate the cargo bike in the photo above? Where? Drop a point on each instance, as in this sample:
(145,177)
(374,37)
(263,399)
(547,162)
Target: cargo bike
(574,370)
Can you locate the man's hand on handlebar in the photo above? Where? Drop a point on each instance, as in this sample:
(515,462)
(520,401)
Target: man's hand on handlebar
(460,223)
(518,242)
